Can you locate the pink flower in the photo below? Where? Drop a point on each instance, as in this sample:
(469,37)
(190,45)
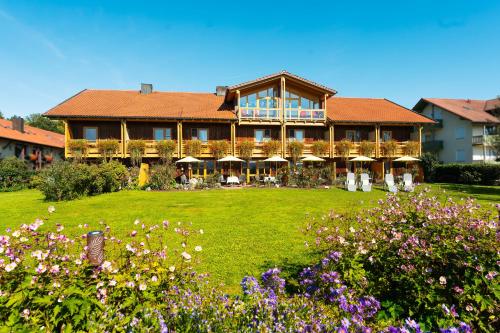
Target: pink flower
(10,267)
(25,314)
(133,233)
(55,269)
(186,256)
(41,268)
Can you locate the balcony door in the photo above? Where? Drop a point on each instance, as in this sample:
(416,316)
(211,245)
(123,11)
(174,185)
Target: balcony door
(160,134)
(199,134)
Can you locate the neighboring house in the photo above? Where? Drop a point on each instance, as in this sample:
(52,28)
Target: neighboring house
(281,106)
(462,129)
(30,143)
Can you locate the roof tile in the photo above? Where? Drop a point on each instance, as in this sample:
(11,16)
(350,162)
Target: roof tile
(31,135)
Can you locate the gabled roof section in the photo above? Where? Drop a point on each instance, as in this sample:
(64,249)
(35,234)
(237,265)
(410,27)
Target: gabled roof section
(31,135)
(371,110)
(287,75)
(470,109)
(133,104)
(492,104)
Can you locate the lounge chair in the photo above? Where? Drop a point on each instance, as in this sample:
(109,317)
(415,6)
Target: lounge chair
(365,184)
(350,183)
(408,185)
(389,182)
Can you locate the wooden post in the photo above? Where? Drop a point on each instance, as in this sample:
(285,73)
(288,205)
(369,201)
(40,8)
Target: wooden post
(179,139)
(283,140)
(420,140)
(283,100)
(238,101)
(334,170)
(204,169)
(125,137)
(95,247)
(331,131)
(67,136)
(377,141)
(233,139)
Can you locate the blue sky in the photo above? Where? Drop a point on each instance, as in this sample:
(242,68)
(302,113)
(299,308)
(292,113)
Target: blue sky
(401,50)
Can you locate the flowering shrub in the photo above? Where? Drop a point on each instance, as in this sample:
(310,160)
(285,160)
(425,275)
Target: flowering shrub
(47,282)
(436,262)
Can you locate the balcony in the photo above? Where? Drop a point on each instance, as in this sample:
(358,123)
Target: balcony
(306,115)
(478,140)
(432,146)
(205,149)
(150,150)
(92,150)
(259,114)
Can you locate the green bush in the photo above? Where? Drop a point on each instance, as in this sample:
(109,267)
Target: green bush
(162,177)
(166,150)
(68,181)
(14,174)
(476,174)
(429,162)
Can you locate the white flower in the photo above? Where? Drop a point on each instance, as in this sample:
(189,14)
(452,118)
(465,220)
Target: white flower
(186,256)
(26,313)
(23,239)
(56,284)
(112,283)
(142,286)
(198,248)
(130,248)
(16,234)
(51,209)
(154,278)
(137,221)
(171,268)
(201,231)
(10,267)
(37,254)
(442,280)
(351,229)
(106,265)
(78,262)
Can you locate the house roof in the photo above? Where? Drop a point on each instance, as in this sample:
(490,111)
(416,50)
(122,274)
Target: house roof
(31,135)
(207,106)
(470,109)
(371,110)
(286,74)
(133,104)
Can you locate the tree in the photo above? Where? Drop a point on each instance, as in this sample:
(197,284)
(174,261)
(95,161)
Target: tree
(1,115)
(40,121)
(494,142)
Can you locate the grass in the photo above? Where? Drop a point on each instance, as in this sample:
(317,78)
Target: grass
(246,231)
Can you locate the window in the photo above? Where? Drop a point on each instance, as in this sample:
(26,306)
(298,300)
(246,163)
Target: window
(265,98)
(459,133)
(386,136)
(352,135)
(490,130)
(90,133)
(199,134)
(295,100)
(162,134)
(262,135)
(460,155)
(296,135)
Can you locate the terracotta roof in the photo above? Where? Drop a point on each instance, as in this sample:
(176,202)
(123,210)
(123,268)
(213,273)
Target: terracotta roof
(471,109)
(133,104)
(284,73)
(31,135)
(371,110)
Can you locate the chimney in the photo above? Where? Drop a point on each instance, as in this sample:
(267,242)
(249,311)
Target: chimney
(146,88)
(220,90)
(18,124)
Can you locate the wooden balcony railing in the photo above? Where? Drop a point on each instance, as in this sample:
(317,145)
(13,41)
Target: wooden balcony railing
(478,139)
(205,149)
(151,150)
(93,150)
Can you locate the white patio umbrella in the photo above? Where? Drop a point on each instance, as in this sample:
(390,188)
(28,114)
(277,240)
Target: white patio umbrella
(406,159)
(189,159)
(312,158)
(276,158)
(362,159)
(230,158)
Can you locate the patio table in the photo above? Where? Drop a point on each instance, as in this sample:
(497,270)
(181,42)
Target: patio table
(232,180)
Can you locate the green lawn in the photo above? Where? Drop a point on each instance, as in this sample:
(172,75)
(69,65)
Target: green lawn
(245,230)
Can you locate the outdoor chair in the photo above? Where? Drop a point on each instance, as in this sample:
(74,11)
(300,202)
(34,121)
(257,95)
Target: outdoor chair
(350,183)
(365,183)
(408,185)
(389,182)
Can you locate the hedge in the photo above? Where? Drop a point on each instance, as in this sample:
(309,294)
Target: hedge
(477,174)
